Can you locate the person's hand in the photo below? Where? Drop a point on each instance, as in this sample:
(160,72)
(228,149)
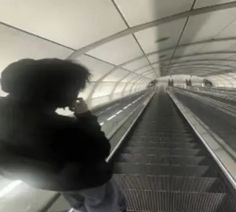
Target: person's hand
(80,106)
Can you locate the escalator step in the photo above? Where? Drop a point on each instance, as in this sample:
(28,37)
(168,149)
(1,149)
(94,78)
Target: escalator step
(162,151)
(163,166)
(164,144)
(158,133)
(154,169)
(165,159)
(153,201)
(160,139)
(169,183)
(154,127)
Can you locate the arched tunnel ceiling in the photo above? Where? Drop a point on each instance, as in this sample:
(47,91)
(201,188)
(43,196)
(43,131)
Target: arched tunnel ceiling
(123,40)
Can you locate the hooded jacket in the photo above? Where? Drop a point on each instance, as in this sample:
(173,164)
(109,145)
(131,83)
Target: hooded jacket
(50,151)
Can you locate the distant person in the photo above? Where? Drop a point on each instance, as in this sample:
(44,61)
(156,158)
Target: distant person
(50,151)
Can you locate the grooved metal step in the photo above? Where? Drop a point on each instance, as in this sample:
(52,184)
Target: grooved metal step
(164,144)
(158,133)
(163,166)
(162,151)
(169,183)
(147,200)
(164,159)
(156,169)
(160,139)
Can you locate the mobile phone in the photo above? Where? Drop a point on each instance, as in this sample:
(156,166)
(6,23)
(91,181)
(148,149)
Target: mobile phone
(77,101)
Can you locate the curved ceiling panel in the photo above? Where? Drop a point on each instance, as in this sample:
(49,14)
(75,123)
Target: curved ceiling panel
(144,69)
(96,67)
(207,26)
(211,46)
(153,58)
(136,64)
(72,23)
(118,51)
(150,9)
(204,3)
(128,88)
(116,75)
(131,78)
(103,89)
(119,88)
(85,93)
(141,39)
(16,45)
(160,37)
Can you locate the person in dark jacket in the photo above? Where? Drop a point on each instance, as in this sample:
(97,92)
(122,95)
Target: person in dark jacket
(50,151)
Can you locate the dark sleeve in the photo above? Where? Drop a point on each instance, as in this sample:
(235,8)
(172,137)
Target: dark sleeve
(89,125)
(82,140)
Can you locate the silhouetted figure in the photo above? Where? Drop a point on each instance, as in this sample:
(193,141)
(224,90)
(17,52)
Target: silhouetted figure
(50,151)
(171,82)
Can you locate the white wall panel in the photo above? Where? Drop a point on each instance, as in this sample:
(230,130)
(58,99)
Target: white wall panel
(142,11)
(120,87)
(118,51)
(219,81)
(135,89)
(99,101)
(117,96)
(136,64)
(150,75)
(127,90)
(96,67)
(85,93)
(131,77)
(142,85)
(16,45)
(103,89)
(147,72)
(150,39)
(74,23)
(228,78)
(116,75)
(138,86)
(233,75)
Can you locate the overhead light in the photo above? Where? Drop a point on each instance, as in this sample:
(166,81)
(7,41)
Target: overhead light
(162,56)
(10,187)
(162,39)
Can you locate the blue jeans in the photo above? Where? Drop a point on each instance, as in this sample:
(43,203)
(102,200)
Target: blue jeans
(105,198)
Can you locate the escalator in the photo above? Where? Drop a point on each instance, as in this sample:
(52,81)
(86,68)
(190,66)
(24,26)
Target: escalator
(163,167)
